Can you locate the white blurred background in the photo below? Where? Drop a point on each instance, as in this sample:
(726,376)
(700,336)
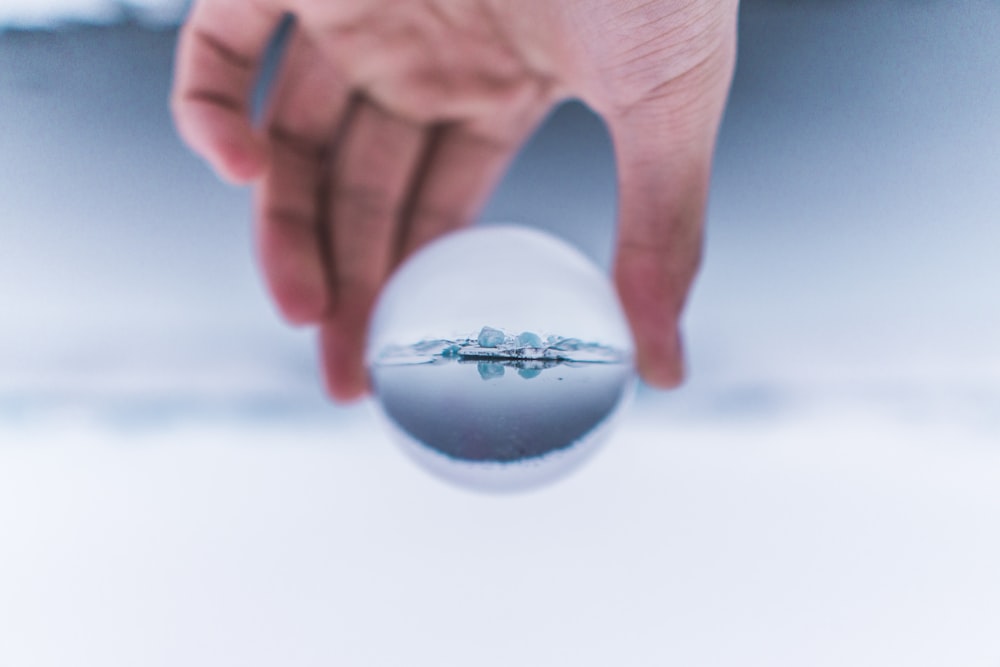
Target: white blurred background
(174,489)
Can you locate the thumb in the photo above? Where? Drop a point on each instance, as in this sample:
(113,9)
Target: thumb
(663,148)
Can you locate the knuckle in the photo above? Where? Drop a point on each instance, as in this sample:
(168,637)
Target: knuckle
(295,141)
(222,50)
(364,201)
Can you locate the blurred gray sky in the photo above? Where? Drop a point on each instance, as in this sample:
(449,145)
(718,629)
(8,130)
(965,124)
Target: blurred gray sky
(852,228)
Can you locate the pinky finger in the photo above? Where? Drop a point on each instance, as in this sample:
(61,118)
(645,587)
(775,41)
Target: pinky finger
(216,68)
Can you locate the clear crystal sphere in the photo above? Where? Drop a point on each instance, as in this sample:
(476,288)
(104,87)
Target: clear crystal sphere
(499,357)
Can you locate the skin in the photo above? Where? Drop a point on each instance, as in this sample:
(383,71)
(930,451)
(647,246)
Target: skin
(391,121)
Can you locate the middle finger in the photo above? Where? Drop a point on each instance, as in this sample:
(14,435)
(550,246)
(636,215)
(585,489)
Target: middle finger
(369,183)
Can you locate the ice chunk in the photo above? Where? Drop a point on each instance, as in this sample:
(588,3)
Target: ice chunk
(490,337)
(529,339)
(529,373)
(567,344)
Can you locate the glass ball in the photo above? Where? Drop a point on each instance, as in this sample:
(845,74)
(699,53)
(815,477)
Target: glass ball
(499,357)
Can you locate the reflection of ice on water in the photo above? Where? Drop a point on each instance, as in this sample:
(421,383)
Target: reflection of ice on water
(500,423)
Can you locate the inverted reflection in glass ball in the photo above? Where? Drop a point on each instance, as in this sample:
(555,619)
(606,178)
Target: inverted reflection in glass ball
(499,357)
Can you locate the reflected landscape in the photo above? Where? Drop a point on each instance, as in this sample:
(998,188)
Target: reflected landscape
(501,424)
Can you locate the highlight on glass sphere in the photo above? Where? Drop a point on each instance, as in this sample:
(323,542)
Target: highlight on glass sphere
(499,357)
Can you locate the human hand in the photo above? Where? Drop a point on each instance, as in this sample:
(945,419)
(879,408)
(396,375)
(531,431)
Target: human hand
(390,122)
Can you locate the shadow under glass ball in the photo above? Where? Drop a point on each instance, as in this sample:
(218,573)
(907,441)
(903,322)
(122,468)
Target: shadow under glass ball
(510,407)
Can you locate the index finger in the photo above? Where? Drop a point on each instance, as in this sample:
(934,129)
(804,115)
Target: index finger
(218,57)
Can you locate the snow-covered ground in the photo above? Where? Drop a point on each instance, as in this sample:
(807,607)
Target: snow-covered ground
(824,491)
(830,539)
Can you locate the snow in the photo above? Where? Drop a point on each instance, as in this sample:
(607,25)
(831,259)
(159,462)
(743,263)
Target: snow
(490,337)
(836,536)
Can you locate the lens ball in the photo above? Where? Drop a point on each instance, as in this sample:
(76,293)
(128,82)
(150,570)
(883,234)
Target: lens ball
(499,357)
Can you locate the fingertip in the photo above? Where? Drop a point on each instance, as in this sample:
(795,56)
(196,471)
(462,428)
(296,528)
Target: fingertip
(300,308)
(235,153)
(661,369)
(344,374)
(651,307)
(224,139)
(241,163)
(345,393)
